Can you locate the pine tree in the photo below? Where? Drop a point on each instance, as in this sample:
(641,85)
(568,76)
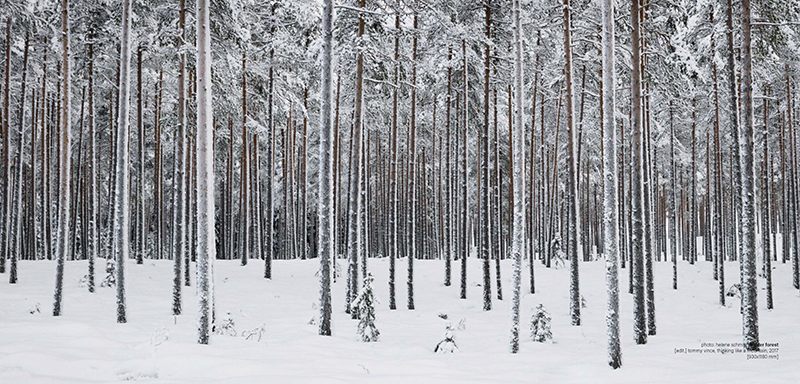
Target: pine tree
(62,239)
(673,225)
(122,187)
(179,215)
(765,208)
(749,282)
(573,240)
(464,173)
(483,150)
(610,237)
(395,215)
(15,187)
(637,241)
(206,251)
(518,145)
(326,193)
(412,158)
(541,325)
(365,302)
(93,192)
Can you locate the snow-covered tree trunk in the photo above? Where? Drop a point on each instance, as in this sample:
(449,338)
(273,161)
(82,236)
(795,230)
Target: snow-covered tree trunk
(141,232)
(610,222)
(718,224)
(518,145)
(573,243)
(449,242)
(483,151)
(354,231)
(637,240)
(270,173)
(464,234)
(6,152)
(179,184)
(673,226)
(734,123)
(62,238)
(326,193)
(13,229)
(244,180)
(648,206)
(122,166)
(765,208)
(693,210)
(206,250)
(94,243)
(395,216)
(749,282)
(535,244)
(412,175)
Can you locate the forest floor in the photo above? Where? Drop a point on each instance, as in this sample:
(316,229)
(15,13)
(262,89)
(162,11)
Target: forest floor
(86,345)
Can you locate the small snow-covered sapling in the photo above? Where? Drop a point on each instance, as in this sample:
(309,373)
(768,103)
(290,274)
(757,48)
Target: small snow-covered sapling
(366,310)
(111,276)
(448,343)
(540,325)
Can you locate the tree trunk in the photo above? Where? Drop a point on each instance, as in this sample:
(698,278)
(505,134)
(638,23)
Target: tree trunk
(179,183)
(610,222)
(62,245)
(464,215)
(206,251)
(749,282)
(13,229)
(573,243)
(326,193)
(483,151)
(639,327)
(354,231)
(518,184)
(413,144)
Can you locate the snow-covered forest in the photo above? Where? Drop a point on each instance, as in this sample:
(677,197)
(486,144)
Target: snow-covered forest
(397,190)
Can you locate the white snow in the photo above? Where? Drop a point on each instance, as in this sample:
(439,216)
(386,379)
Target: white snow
(86,345)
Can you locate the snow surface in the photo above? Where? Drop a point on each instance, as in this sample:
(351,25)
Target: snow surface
(86,345)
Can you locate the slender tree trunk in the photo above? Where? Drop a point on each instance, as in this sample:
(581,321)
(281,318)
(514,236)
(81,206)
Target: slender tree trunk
(639,327)
(749,283)
(573,242)
(7,156)
(244,206)
(518,184)
(448,240)
(122,187)
(413,144)
(206,251)
(765,207)
(610,222)
(735,137)
(15,188)
(270,235)
(179,199)
(464,234)
(354,231)
(140,126)
(326,193)
(395,215)
(483,150)
(62,245)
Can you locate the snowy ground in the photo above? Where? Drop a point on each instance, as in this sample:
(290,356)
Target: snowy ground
(85,345)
